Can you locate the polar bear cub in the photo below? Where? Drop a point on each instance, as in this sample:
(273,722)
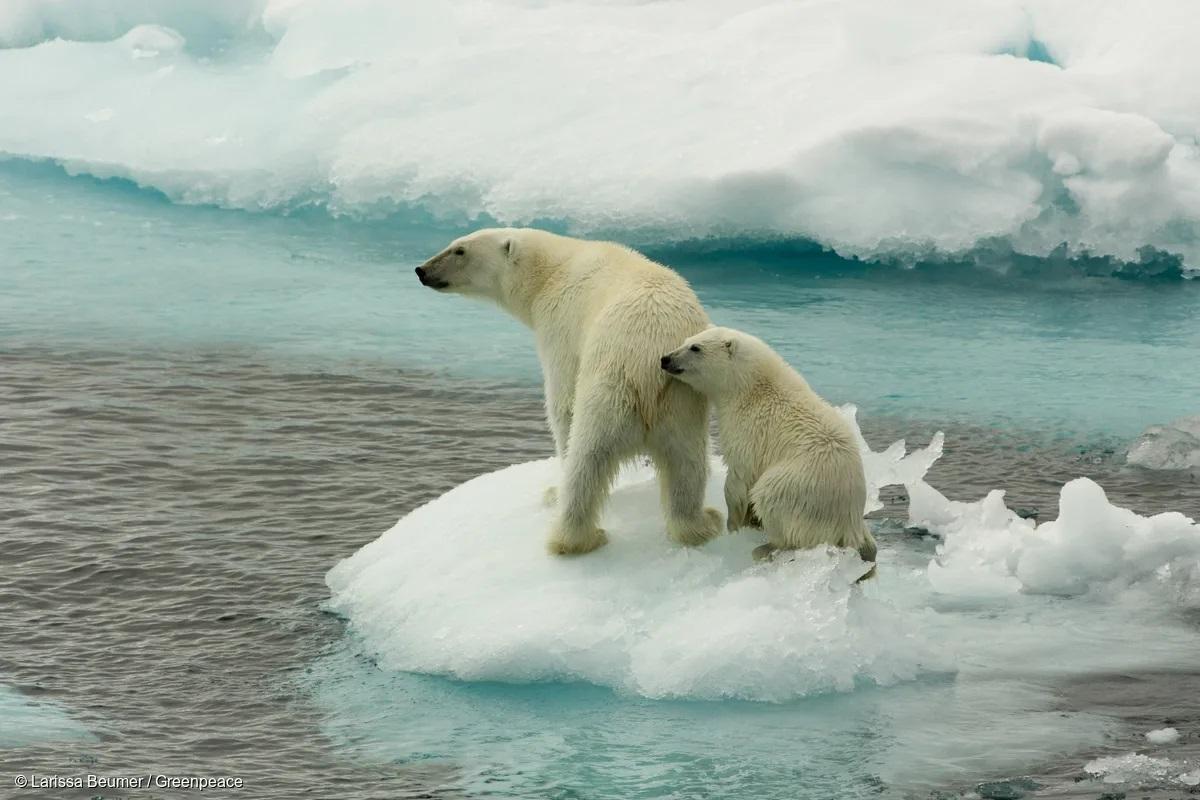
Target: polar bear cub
(602,316)
(794,464)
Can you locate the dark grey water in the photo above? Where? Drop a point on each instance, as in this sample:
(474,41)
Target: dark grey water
(166,520)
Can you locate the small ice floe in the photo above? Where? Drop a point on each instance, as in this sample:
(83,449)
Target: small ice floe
(989,550)
(1162,736)
(1135,769)
(462,587)
(1175,445)
(29,722)
(100,115)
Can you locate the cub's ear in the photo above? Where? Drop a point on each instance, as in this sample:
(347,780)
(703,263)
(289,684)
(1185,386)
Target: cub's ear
(510,248)
(730,347)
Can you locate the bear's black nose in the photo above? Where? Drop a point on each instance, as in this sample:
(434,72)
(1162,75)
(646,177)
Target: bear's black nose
(666,362)
(421,274)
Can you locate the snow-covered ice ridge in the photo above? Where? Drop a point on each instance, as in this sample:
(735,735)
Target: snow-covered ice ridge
(462,587)
(913,130)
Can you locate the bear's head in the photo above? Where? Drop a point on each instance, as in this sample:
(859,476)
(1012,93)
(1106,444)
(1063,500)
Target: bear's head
(715,361)
(476,264)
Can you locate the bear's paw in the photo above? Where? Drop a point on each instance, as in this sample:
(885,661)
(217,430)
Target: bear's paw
(578,543)
(695,532)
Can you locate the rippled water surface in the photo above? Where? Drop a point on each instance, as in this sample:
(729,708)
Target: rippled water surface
(168,518)
(169,515)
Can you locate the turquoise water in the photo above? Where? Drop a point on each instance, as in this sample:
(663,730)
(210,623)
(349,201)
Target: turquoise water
(1047,349)
(570,741)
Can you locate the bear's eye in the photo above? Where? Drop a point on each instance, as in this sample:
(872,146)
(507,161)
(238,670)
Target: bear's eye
(460,251)
(695,348)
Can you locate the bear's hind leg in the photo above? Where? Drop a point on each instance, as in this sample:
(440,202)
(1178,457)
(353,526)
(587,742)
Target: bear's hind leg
(679,448)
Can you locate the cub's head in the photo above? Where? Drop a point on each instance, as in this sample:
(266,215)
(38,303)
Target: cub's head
(714,361)
(475,264)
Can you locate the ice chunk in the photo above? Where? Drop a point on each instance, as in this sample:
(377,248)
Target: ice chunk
(1135,769)
(29,722)
(1172,446)
(462,586)
(1162,736)
(892,465)
(989,550)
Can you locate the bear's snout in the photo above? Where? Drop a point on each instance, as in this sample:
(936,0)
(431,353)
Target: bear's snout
(669,365)
(427,279)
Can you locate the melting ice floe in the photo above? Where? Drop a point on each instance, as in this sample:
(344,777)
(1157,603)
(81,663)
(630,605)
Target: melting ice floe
(1172,446)
(988,549)
(28,722)
(905,130)
(1142,770)
(462,587)
(1162,736)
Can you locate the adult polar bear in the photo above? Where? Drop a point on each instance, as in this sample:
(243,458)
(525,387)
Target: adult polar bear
(793,461)
(602,315)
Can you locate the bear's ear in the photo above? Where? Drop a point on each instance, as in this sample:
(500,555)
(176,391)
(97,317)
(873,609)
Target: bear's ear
(730,347)
(510,248)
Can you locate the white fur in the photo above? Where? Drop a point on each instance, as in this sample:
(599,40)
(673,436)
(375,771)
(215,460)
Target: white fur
(793,461)
(602,315)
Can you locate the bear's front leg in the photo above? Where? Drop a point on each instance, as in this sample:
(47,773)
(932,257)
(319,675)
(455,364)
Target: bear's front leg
(603,431)
(558,417)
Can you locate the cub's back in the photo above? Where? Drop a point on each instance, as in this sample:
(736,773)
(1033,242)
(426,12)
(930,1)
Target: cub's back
(785,418)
